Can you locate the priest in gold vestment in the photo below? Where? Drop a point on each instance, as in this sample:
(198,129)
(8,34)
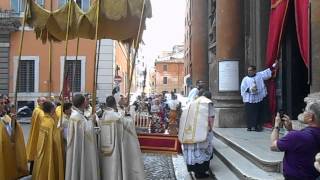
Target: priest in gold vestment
(13,160)
(49,157)
(37,116)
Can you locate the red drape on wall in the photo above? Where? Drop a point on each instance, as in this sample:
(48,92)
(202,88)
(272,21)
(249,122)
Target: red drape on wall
(276,24)
(303,28)
(66,88)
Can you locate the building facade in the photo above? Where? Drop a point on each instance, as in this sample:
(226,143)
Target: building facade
(196,43)
(37,76)
(169,76)
(237,36)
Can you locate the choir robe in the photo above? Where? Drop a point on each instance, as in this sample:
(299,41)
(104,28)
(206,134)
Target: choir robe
(13,159)
(119,148)
(49,158)
(37,116)
(82,157)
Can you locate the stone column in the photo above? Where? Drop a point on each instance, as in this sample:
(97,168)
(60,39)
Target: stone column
(230,47)
(315,46)
(315,49)
(199,40)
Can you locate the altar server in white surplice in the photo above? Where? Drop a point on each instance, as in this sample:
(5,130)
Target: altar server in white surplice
(195,134)
(120,155)
(82,154)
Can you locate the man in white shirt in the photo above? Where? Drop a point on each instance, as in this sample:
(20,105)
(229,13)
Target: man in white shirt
(254,92)
(193,94)
(174,105)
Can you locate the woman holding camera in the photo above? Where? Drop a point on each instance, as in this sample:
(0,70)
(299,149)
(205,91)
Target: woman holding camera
(300,147)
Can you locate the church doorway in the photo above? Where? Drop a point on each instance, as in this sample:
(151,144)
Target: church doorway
(293,83)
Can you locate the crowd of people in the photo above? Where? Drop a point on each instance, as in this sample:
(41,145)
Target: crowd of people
(73,144)
(165,113)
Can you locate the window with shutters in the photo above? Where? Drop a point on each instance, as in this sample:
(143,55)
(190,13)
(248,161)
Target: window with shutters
(165,67)
(18,5)
(61,3)
(40,2)
(165,80)
(26,77)
(73,72)
(83,4)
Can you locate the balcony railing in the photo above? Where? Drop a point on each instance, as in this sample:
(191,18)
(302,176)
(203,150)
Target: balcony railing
(9,20)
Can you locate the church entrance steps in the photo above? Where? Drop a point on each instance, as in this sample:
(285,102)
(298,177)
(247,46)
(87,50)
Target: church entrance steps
(221,170)
(247,154)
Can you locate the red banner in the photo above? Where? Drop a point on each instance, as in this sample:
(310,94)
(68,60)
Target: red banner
(303,28)
(276,23)
(278,15)
(66,88)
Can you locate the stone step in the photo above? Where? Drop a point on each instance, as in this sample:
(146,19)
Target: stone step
(242,167)
(255,146)
(220,170)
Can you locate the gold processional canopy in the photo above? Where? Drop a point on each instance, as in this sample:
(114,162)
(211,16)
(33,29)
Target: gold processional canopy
(118,20)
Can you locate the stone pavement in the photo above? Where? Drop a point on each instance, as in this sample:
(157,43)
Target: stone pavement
(166,167)
(158,166)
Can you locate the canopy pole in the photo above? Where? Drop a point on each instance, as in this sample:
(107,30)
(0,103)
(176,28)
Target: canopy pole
(50,68)
(50,59)
(98,60)
(136,47)
(94,83)
(128,68)
(65,58)
(19,57)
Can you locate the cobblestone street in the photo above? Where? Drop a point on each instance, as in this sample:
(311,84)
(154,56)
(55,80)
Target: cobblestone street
(158,166)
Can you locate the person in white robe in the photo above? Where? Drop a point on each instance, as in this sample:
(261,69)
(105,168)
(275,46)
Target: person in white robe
(195,134)
(88,107)
(82,154)
(119,149)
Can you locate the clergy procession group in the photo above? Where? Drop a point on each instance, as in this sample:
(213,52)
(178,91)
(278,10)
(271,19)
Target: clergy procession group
(77,144)
(73,145)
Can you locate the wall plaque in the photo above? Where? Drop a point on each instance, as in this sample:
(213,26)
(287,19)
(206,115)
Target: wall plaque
(229,75)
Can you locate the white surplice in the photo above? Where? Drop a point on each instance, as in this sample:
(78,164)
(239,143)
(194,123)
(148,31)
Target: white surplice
(119,149)
(82,155)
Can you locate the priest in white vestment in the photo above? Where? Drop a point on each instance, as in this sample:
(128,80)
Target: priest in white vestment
(119,149)
(82,155)
(195,134)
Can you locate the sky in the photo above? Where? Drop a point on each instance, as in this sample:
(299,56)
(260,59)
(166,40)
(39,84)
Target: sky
(165,29)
